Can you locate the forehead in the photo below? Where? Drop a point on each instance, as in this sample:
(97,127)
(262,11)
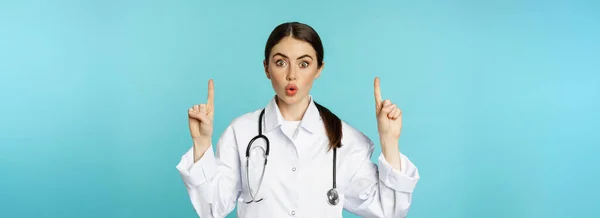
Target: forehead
(293,48)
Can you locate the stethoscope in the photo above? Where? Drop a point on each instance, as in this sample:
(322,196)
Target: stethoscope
(332,194)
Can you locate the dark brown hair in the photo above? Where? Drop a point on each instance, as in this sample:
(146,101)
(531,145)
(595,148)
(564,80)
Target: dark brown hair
(303,32)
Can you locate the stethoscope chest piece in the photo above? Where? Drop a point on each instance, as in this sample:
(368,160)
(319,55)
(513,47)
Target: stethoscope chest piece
(332,197)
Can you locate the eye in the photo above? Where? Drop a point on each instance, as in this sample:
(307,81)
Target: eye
(304,64)
(280,63)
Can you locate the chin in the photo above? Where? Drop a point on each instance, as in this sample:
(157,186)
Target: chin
(290,100)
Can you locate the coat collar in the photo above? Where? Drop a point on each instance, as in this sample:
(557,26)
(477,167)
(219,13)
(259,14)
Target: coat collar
(310,121)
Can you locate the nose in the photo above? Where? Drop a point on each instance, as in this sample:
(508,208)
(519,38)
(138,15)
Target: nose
(291,75)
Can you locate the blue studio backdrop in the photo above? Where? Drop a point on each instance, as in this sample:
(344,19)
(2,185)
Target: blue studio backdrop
(500,98)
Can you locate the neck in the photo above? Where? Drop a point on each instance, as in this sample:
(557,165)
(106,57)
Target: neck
(293,112)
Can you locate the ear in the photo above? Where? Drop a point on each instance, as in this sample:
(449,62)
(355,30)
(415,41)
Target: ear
(266,69)
(319,70)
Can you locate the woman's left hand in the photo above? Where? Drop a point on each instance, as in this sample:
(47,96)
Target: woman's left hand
(389,119)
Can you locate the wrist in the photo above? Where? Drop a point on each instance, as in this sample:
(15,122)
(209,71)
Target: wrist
(200,147)
(388,142)
(202,142)
(391,152)
(389,145)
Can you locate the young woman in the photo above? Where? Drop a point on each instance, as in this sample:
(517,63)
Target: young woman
(295,158)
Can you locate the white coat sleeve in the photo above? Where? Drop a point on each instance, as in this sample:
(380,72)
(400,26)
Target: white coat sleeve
(213,182)
(379,190)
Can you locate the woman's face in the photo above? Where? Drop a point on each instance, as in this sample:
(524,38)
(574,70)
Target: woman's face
(292,68)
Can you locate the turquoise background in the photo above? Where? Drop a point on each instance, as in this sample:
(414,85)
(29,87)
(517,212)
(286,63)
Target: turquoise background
(500,98)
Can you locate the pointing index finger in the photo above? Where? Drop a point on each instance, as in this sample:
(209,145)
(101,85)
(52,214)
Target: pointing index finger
(377,92)
(211,93)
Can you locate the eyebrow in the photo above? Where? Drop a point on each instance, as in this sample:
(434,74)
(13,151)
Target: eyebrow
(303,56)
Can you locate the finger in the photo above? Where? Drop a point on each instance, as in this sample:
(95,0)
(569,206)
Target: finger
(211,93)
(199,113)
(396,113)
(391,113)
(202,109)
(387,109)
(387,103)
(193,113)
(377,93)
(383,105)
(193,123)
(195,110)
(190,111)
(203,118)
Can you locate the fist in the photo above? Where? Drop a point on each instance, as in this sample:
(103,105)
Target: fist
(201,116)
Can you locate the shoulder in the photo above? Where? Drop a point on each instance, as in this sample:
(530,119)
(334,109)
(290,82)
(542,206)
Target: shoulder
(248,118)
(238,127)
(354,139)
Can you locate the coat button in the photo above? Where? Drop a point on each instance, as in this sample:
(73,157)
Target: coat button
(294,169)
(293,212)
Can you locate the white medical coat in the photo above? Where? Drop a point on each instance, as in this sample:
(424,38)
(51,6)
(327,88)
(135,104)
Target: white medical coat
(298,172)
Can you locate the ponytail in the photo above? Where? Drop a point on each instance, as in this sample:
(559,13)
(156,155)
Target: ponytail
(333,126)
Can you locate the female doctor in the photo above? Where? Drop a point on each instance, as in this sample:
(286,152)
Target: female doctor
(294,157)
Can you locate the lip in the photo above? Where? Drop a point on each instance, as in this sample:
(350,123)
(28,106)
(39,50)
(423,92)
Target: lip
(291,89)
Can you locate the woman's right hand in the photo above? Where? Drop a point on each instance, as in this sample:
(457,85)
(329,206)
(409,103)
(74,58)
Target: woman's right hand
(200,118)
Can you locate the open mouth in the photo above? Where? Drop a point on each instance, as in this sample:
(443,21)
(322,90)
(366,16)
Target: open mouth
(291,89)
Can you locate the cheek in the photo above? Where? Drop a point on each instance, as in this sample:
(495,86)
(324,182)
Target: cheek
(308,83)
(310,73)
(277,77)
(308,78)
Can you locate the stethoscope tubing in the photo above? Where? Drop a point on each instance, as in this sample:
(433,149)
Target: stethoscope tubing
(332,194)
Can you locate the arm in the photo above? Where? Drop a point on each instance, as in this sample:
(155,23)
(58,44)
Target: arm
(383,190)
(380,190)
(213,182)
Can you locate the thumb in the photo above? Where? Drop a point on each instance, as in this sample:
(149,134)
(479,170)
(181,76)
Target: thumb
(199,113)
(386,107)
